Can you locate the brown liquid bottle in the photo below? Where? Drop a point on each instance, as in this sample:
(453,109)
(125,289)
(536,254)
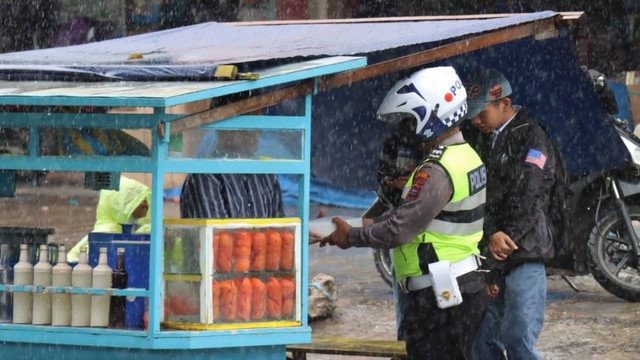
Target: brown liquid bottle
(5,279)
(119,280)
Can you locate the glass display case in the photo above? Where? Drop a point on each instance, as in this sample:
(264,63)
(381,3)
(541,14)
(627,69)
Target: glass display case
(230,274)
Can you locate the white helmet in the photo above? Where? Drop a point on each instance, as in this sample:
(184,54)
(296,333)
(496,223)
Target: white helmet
(435,97)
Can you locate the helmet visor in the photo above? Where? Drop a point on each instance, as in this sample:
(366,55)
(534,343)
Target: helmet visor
(393,118)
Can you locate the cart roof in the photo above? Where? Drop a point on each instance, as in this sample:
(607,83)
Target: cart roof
(220,43)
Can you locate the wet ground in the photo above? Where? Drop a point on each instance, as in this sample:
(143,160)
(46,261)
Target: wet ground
(579,325)
(584,325)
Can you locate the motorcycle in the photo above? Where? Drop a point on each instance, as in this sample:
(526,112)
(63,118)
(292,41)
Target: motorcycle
(605,218)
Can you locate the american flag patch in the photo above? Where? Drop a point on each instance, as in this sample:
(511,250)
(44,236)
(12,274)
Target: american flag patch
(536,157)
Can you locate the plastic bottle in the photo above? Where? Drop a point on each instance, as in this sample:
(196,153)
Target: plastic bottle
(101,280)
(23,275)
(61,303)
(5,279)
(119,280)
(81,277)
(42,301)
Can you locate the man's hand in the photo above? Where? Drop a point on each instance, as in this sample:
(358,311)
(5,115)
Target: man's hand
(340,236)
(492,290)
(501,245)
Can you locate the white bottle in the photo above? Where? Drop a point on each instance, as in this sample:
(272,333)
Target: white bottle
(61,303)
(101,280)
(42,301)
(23,275)
(81,304)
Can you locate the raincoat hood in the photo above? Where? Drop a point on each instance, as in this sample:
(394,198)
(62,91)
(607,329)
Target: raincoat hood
(116,207)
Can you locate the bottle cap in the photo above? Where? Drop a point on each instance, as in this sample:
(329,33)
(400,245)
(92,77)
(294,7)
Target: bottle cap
(103,249)
(120,250)
(43,247)
(24,246)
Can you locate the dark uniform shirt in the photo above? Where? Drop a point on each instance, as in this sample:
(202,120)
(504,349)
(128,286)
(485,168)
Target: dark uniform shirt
(221,196)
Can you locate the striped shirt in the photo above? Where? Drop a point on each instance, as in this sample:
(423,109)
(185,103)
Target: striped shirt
(222,196)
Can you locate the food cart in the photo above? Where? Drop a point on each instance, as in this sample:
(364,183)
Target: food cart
(201,333)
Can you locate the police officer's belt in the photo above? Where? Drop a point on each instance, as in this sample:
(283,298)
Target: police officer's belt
(458,268)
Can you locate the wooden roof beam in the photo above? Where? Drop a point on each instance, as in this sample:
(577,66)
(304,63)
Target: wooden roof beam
(441,52)
(240,107)
(566,18)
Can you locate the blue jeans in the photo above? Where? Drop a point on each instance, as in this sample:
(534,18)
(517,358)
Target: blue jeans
(513,320)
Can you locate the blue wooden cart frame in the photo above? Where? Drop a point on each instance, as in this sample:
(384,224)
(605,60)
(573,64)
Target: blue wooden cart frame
(154,343)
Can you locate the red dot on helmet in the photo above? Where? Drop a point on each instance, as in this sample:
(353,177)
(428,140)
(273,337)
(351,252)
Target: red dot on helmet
(448,97)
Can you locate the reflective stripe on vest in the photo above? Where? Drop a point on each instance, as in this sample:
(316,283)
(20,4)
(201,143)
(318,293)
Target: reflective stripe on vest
(457,229)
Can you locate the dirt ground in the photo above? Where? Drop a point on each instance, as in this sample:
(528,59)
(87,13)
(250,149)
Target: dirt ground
(590,324)
(584,325)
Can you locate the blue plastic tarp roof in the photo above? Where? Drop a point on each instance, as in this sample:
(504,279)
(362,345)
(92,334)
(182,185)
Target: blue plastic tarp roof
(218,43)
(346,138)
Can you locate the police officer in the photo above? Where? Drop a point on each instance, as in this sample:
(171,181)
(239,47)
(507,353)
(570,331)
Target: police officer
(521,163)
(435,231)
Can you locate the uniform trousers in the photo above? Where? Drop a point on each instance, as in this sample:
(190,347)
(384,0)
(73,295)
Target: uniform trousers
(434,333)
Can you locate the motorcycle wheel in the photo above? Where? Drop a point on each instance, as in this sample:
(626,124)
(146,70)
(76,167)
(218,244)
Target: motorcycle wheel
(609,256)
(382,260)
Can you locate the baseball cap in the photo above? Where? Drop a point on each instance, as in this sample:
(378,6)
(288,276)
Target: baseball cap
(483,86)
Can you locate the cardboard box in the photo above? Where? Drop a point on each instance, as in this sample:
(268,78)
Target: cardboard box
(634,99)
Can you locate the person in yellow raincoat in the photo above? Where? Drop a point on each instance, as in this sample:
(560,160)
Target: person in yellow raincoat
(128,205)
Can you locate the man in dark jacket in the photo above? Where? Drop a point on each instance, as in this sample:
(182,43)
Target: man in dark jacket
(520,164)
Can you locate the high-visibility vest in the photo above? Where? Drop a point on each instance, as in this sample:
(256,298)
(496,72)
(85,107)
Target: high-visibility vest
(456,231)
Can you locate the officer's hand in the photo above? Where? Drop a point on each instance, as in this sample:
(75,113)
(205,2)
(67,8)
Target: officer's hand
(501,245)
(492,290)
(340,236)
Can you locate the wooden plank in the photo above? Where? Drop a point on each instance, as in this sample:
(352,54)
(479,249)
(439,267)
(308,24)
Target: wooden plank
(353,347)
(241,107)
(438,53)
(565,16)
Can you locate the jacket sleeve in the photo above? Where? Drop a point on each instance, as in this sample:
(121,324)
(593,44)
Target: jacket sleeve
(534,167)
